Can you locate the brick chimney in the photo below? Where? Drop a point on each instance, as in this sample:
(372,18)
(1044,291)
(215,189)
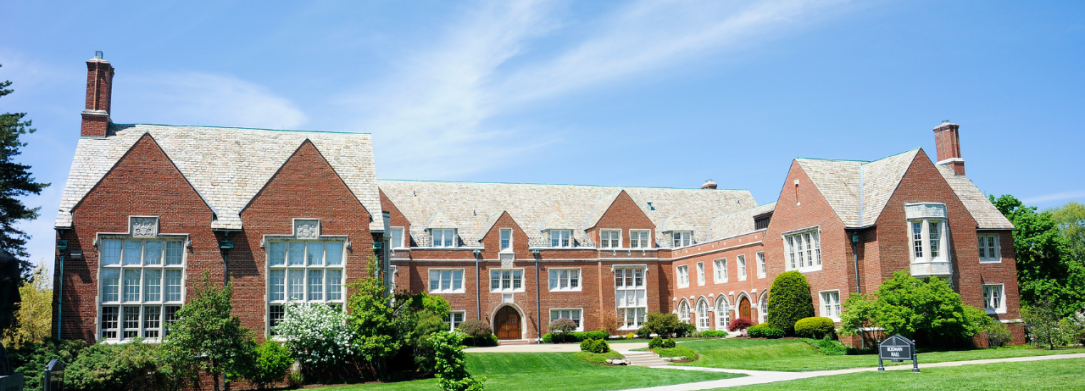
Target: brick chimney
(99,91)
(949,146)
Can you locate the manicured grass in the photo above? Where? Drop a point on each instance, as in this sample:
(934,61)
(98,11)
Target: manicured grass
(551,371)
(1037,375)
(796,355)
(597,358)
(677,351)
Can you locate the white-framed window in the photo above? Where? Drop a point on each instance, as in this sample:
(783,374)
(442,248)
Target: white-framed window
(989,248)
(723,313)
(630,296)
(306,271)
(640,238)
(830,304)
(804,250)
(700,273)
(683,276)
(719,266)
(763,307)
(702,315)
(506,240)
(397,238)
(761,264)
(141,287)
(741,268)
(446,281)
(506,280)
(683,311)
(443,237)
(454,319)
(564,280)
(561,238)
(928,232)
(568,313)
(681,238)
(994,298)
(610,238)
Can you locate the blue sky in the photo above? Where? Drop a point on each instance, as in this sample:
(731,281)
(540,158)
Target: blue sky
(640,93)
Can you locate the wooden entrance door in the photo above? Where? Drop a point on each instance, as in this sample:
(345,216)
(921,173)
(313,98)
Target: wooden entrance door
(507,324)
(744,308)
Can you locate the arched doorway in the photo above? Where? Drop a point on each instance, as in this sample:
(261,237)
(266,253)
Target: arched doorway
(507,324)
(744,308)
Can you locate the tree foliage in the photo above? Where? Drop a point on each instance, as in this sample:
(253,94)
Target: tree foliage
(33,320)
(451,365)
(1046,269)
(789,301)
(318,335)
(663,325)
(1070,219)
(929,312)
(15,183)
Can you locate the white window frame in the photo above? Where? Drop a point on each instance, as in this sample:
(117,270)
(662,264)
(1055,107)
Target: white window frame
(564,238)
(990,307)
(924,241)
(723,312)
(761,266)
(606,238)
(681,239)
(700,274)
(719,269)
(579,319)
(631,281)
(504,243)
(513,273)
(397,244)
(640,238)
(763,307)
(571,274)
(683,275)
(683,311)
(276,305)
(445,234)
(742,272)
(990,245)
(452,280)
(827,307)
(702,309)
(452,323)
(166,308)
(803,249)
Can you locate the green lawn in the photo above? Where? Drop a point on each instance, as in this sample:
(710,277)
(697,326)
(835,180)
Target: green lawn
(551,371)
(1061,375)
(795,355)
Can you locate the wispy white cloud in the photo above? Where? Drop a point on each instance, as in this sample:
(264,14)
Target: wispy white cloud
(1061,196)
(430,119)
(188,98)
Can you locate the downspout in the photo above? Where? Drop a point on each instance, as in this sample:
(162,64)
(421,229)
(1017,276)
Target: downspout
(538,306)
(60,296)
(478,288)
(855,258)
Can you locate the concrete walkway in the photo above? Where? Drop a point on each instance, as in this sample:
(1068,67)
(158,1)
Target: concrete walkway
(761,377)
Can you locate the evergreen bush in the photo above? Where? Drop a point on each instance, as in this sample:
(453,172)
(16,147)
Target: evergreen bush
(586,345)
(789,301)
(655,343)
(764,330)
(815,327)
(271,364)
(668,343)
(451,365)
(713,334)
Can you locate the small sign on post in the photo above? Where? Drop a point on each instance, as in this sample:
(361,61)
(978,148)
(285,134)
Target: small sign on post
(897,349)
(54,376)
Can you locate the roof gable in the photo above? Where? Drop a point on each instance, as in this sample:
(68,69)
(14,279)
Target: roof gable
(858,190)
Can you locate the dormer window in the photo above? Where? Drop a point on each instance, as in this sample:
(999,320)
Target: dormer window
(681,238)
(927,230)
(443,237)
(561,238)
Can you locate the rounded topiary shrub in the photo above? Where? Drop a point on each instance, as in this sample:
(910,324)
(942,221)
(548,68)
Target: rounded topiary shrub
(816,327)
(586,345)
(668,343)
(655,343)
(600,346)
(789,301)
(764,330)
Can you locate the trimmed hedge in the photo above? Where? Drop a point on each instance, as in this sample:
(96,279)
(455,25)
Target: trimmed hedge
(594,346)
(815,327)
(575,336)
(764,330)
(655,343)
(713,334)
(789,301)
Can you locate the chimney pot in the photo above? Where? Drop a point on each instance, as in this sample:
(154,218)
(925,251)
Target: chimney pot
(99,94)
(948,141)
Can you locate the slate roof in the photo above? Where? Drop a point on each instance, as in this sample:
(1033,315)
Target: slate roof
(472,206)
(226,166)
(981,208)
(738,223)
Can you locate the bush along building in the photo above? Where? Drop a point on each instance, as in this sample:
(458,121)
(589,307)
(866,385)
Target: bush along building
(296,215)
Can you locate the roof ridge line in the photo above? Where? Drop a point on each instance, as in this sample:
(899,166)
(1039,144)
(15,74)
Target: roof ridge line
(550,184)
(239,127)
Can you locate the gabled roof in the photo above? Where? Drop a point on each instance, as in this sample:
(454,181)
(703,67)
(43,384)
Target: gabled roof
(981,208)
(738,223)
(226,166)
(438,220)
(858,190)
(535,208)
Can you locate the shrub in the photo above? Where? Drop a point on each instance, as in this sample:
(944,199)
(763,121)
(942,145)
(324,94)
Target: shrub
(815,327)
(597,334)
(668,344)
(586,345)
(1047,328)
(789,301)
(30,359)
(107,367)
(685,330)
(740,324)
(562,326)
(828,347)
(644,332)
(477,333)
(547,338)
(764,330)
(629,336)
(317,335)
(600,346)
(451,364)
(713,334)
(998,335)
(655,343)
(271,363)
(664,325)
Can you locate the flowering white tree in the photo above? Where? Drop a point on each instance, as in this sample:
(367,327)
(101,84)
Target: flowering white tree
(317,334)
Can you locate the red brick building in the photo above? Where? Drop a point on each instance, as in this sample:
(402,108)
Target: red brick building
(294,215)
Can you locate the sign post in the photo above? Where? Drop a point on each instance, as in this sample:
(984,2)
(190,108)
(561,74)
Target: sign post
(897,349)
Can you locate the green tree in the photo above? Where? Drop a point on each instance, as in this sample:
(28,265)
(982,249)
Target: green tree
(1048,329)
(789,301)
(929,312)
(33,320)
(373,319)
(451,365)
(209,336)
(1071,222)
(15,183)
(1046,269)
